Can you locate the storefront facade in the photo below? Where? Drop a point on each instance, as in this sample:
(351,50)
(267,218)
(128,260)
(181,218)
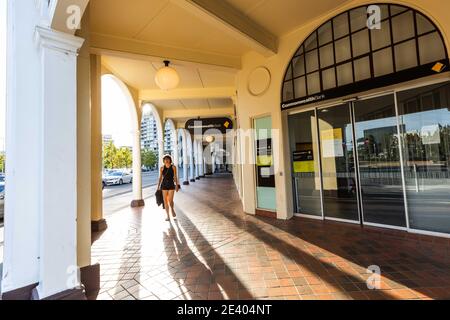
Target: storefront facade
(364,118)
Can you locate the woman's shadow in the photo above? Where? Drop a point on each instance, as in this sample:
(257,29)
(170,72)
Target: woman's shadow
(198,280)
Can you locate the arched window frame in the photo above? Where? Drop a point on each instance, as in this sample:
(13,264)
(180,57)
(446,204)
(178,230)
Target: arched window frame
(391,12)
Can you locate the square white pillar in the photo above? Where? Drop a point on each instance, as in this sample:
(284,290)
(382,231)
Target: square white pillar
(58,169)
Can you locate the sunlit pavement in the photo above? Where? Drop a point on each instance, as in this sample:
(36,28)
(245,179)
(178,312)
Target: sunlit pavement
(215,251)
(117,198)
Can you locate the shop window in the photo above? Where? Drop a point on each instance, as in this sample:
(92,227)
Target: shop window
(431,48)
(360,43)
(381,37)
(403,26)
(325,34)
(340,24)
(406,55)
(382,61)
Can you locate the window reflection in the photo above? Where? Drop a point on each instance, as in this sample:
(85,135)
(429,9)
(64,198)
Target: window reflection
(425,119)
(376,132)
(338,163)
(305,158)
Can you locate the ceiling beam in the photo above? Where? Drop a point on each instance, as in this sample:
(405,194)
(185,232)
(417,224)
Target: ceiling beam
(182,94)
(102,44)
(232,21)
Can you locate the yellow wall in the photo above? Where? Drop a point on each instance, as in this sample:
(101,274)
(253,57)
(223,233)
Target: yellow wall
(269,103)
(96,140)
(84,149)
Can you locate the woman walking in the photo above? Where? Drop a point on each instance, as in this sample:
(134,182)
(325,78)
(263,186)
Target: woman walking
(168,182)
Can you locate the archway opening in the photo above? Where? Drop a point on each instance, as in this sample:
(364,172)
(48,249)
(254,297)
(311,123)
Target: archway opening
(119,125)
(151,145)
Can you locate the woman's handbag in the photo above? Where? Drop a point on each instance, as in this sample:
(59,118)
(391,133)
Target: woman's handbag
(159,197)
(159,193)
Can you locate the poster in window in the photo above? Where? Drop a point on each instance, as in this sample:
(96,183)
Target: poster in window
(332,143)
(304,160)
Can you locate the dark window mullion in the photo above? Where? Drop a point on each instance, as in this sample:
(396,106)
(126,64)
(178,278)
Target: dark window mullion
(416,33)
(351,46)
(293,81)
(318,59)
(334,54)
(306,77)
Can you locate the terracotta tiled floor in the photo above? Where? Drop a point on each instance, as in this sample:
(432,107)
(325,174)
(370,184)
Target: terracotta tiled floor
(215,251)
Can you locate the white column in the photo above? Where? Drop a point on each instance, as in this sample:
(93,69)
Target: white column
(199,159)
(58,187)
(202,159)
(174,138)
(137,171)
(184,147)
(161,149)
(195,154)
(190,156)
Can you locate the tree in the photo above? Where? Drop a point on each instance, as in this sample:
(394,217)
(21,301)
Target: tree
(124,158)
(149,158)
(2,162)
(109,156)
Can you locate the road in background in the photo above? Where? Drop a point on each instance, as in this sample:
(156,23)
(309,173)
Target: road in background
(148,179)
(116,198)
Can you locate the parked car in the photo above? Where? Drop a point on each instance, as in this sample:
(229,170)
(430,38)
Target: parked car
(2,199)
(117,178)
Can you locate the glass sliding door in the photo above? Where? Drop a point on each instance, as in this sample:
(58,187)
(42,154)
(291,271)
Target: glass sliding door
(381,161)
(340,193)
(306,163)
(380,174)
(425,125)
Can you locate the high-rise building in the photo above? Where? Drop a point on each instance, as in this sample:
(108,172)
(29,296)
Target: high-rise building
(149,133)
(168,142)
(107,138)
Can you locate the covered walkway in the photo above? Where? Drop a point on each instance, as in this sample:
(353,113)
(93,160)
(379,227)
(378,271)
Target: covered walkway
(215,251)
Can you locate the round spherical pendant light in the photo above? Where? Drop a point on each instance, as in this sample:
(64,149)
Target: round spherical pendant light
(167,78)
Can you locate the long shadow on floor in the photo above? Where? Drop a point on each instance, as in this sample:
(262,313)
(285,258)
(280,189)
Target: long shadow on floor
(201,274)
(324,270)
(352,244)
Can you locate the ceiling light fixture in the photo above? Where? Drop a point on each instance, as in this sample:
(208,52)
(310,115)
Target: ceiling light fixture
(167,78)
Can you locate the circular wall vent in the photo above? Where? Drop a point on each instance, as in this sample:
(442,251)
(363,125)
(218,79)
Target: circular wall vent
(259,81)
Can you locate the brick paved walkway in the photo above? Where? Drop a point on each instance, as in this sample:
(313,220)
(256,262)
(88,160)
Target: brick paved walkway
(215,251)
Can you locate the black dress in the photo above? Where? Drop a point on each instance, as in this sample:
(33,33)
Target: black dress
(168,182)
